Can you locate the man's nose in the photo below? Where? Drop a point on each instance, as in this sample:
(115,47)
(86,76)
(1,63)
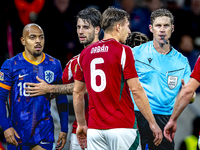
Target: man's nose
(38,40)
(80,30)
(162,28)
(129,31)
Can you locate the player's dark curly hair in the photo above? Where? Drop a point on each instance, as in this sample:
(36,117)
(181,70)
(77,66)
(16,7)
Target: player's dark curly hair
(91,15)
(136,39)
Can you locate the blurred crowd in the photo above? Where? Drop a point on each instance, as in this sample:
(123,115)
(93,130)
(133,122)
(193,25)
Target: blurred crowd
(57,18)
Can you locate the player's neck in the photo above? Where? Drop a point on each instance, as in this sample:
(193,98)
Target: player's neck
(110,35)
(161,48)
(37,59)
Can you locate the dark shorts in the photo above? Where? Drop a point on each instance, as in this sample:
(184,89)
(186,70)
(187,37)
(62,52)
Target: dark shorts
(46,146)
(146,133)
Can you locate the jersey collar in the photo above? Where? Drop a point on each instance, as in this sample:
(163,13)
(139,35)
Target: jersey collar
(33,62)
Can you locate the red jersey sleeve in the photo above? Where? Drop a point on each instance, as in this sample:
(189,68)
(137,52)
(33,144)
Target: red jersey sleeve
(79,74)
(128,64)
(196,72)
(70,71)
(67,74)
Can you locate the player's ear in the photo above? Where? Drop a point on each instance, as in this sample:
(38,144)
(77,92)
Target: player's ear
(97,30)
(172,28)
(22,40)
(151,28)
(118,26)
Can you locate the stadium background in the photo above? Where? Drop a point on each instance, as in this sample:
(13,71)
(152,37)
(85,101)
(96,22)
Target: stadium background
(57,18)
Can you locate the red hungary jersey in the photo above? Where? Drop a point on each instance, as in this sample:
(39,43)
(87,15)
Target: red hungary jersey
(196,72)
(104,67)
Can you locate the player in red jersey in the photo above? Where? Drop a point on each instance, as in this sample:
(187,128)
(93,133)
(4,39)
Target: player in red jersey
(88,29)
(107,70)
(184,98)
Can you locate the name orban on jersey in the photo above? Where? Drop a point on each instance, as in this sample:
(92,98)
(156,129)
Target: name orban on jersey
(99,49)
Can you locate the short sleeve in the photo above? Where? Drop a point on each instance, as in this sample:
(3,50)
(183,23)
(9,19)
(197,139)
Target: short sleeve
(79,73)
(67,74)
(129,70)
(187,73)
(6,75)
(196,72)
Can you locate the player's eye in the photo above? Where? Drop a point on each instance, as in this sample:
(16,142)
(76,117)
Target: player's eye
(32,37)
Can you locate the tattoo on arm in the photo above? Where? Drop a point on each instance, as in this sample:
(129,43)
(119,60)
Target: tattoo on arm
(66,89)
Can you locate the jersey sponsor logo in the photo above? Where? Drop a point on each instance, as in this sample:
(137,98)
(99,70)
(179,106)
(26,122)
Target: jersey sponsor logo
(99,49)
(1,76)
(172,81)
(150,59)
(49,76)
(21,76)
(42,142)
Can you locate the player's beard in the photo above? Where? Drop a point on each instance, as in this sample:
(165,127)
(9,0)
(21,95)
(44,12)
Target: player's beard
(34,53)
(37,54)
(89,40)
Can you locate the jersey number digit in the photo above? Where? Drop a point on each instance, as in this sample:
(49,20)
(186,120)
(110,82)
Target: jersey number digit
(97,72)
(24,91)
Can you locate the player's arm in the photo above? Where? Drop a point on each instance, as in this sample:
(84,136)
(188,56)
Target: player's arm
(5,123)
(182,101)
(9,131)
(63,110)
(79,108)
(42,88)
(186,79)
(194,95)
(78,101)
(142,103)
(66,89)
